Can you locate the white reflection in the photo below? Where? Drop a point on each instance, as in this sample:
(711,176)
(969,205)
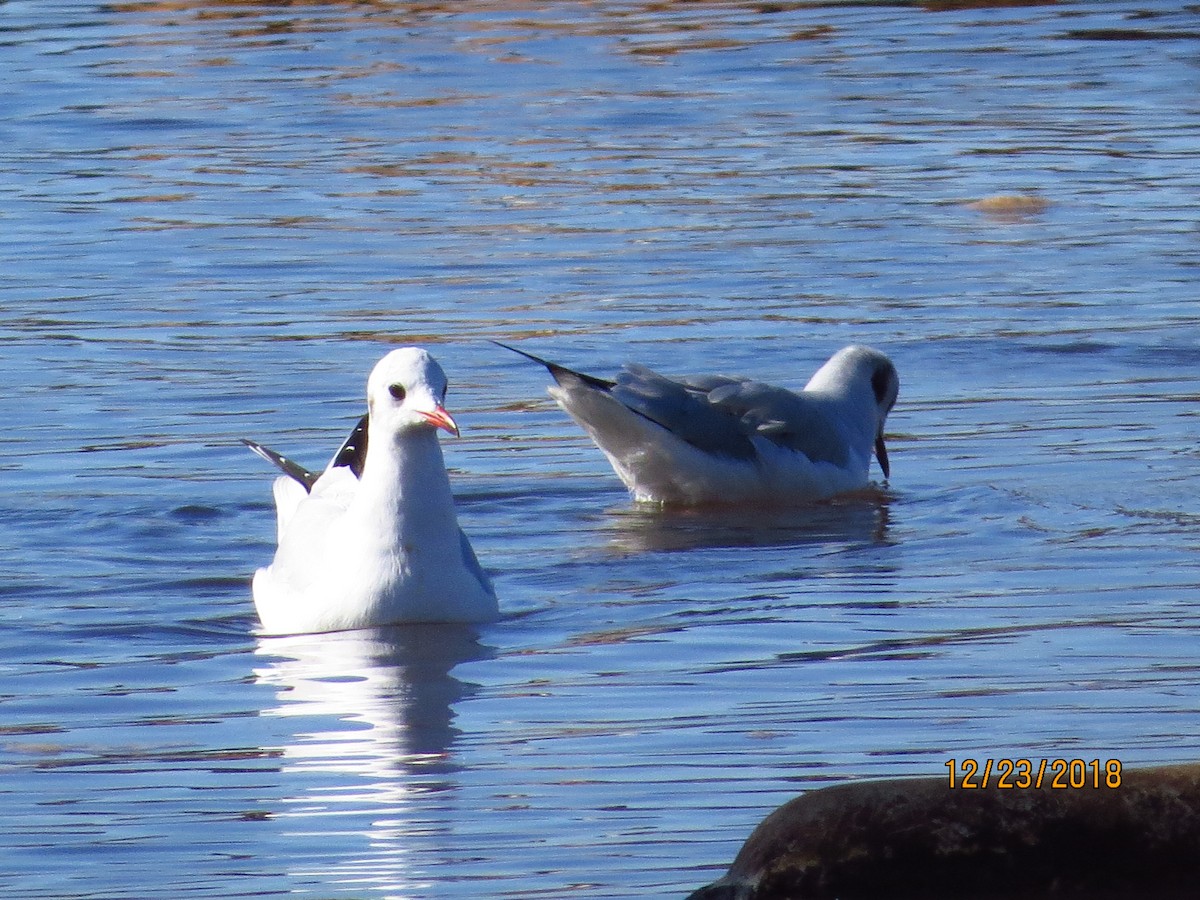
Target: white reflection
(370,755)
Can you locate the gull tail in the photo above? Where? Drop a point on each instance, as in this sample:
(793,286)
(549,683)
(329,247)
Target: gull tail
(289,468)
(561,373)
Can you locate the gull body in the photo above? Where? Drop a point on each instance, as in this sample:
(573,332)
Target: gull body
(717,439)
(374,539)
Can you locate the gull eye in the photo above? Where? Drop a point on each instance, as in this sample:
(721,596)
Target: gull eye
(397,391)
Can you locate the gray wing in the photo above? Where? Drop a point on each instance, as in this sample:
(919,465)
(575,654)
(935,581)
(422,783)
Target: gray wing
(679,407)
(720,414)
(791,420)
(684,410)
(715,413)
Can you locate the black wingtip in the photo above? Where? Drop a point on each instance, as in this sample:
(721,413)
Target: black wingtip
(353,452)
(561,372)
(291,469)
(537,359)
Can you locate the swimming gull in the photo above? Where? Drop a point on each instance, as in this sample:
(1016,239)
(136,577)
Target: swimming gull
(722,440)
(374,539)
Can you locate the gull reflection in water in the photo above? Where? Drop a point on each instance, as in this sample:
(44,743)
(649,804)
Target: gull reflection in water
(369,755)
(860,518)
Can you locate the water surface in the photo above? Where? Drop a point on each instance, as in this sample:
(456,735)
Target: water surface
(214,219)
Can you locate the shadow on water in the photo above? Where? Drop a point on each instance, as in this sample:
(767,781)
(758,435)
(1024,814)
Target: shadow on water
(861,519)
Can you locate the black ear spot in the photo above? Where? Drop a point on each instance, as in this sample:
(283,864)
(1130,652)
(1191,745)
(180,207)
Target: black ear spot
(397,391)
(880,380)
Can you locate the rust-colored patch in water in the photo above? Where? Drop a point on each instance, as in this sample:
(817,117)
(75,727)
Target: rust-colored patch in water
(954,5)
(1010,205)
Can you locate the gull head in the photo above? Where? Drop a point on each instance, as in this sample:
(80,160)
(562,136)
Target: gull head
(866,373)
(885,383)
(407,391)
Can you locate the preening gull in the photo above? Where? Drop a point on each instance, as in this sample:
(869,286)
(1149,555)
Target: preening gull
(721,440)
(374,539)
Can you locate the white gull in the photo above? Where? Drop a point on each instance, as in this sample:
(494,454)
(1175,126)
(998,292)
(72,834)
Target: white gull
(722,440)
(374,539)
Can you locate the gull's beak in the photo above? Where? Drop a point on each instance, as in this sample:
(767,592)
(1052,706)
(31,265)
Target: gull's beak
(881,455)
(439,418)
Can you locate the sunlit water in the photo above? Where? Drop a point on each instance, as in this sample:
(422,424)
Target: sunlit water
(216,217)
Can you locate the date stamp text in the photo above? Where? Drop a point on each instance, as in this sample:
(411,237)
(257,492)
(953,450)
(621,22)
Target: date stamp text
(1022,774)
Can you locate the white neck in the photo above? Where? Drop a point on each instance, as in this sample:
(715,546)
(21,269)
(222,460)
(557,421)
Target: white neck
(403,472)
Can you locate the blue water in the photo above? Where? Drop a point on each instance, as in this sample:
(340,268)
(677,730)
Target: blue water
(214,219)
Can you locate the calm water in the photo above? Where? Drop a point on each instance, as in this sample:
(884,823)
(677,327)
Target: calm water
(215,217)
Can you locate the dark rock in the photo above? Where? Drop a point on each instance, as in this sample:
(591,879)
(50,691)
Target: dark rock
(918,838)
